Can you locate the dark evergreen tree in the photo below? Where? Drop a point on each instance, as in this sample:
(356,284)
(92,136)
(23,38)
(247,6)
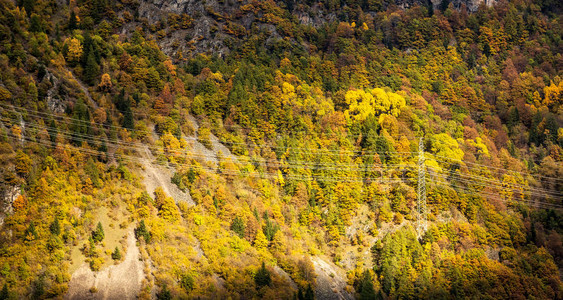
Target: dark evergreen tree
(177,179)
(80,123)
(35,24)
(92,248)
(90,46)
(309,293)
(536,137)
(164,293)
(551,127)
(29,6)
(31,232)
(513,117)
(381,145)
(269,228)
(237,225)
(4,293)
(187,282)
(52,131)
(141,231)
(444,5)
(38,288)
(365,287)
(72,21)
(262,277)
(91,69)
(55,227)
(300,295)
(41,72)
(255,212)
(98,234)
(116,255)
(128,121)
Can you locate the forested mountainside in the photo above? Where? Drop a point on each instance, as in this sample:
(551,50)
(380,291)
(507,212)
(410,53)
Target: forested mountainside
(334,149)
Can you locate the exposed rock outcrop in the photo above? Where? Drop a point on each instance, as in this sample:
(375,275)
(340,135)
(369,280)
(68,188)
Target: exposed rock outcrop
(8,194)
(216,27)
(331,281)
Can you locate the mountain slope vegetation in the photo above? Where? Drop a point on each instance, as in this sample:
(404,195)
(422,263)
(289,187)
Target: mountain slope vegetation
(295,133)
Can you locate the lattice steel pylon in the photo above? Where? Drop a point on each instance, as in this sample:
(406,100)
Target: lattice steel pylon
(421,221)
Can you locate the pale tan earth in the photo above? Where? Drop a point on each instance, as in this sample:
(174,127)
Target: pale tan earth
(121,281)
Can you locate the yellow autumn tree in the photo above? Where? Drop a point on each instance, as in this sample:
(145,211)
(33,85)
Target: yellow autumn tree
(445,146)
(553,95)
(260,242)
(388,102)
(75,51)
(20,203)
(168,210)
(105,84)
(372,102)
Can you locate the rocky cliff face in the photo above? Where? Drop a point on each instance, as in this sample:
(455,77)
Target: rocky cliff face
(203,32)
(185,27)
(8,194)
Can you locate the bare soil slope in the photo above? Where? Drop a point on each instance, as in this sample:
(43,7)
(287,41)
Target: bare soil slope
(122,281)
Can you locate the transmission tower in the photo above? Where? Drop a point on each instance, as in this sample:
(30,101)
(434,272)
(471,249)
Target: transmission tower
(421,188)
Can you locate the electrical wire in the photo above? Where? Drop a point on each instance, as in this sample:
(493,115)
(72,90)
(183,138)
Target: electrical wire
(95,139)
(305,150)
(493,181)
(497,168)
(488,185)
(282,164)
(544,205)
(270,175)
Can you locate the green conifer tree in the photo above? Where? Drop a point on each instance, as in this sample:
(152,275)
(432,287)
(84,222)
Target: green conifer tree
(55,227)
(91,70)
(309,293)
(72,21)
(366,289)
(4,293)
(238,226)
(262,277)
(128,121)
(31,232)
(98,234)
(164,293)
(187,282)
(116,255)
(141,231)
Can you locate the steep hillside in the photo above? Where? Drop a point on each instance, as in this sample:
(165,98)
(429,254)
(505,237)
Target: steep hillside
(281,149)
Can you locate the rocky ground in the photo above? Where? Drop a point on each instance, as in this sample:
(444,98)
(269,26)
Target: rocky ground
(331,280)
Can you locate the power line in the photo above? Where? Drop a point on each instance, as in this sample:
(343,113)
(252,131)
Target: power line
(490,194)
(274,176)
(40,114)
(488,185)
(491,167)
(493,181)
(127,144)
(270,163)
(278,164)
(325,152)
(538,204)
(265,175)
(95,138)
(317,166)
